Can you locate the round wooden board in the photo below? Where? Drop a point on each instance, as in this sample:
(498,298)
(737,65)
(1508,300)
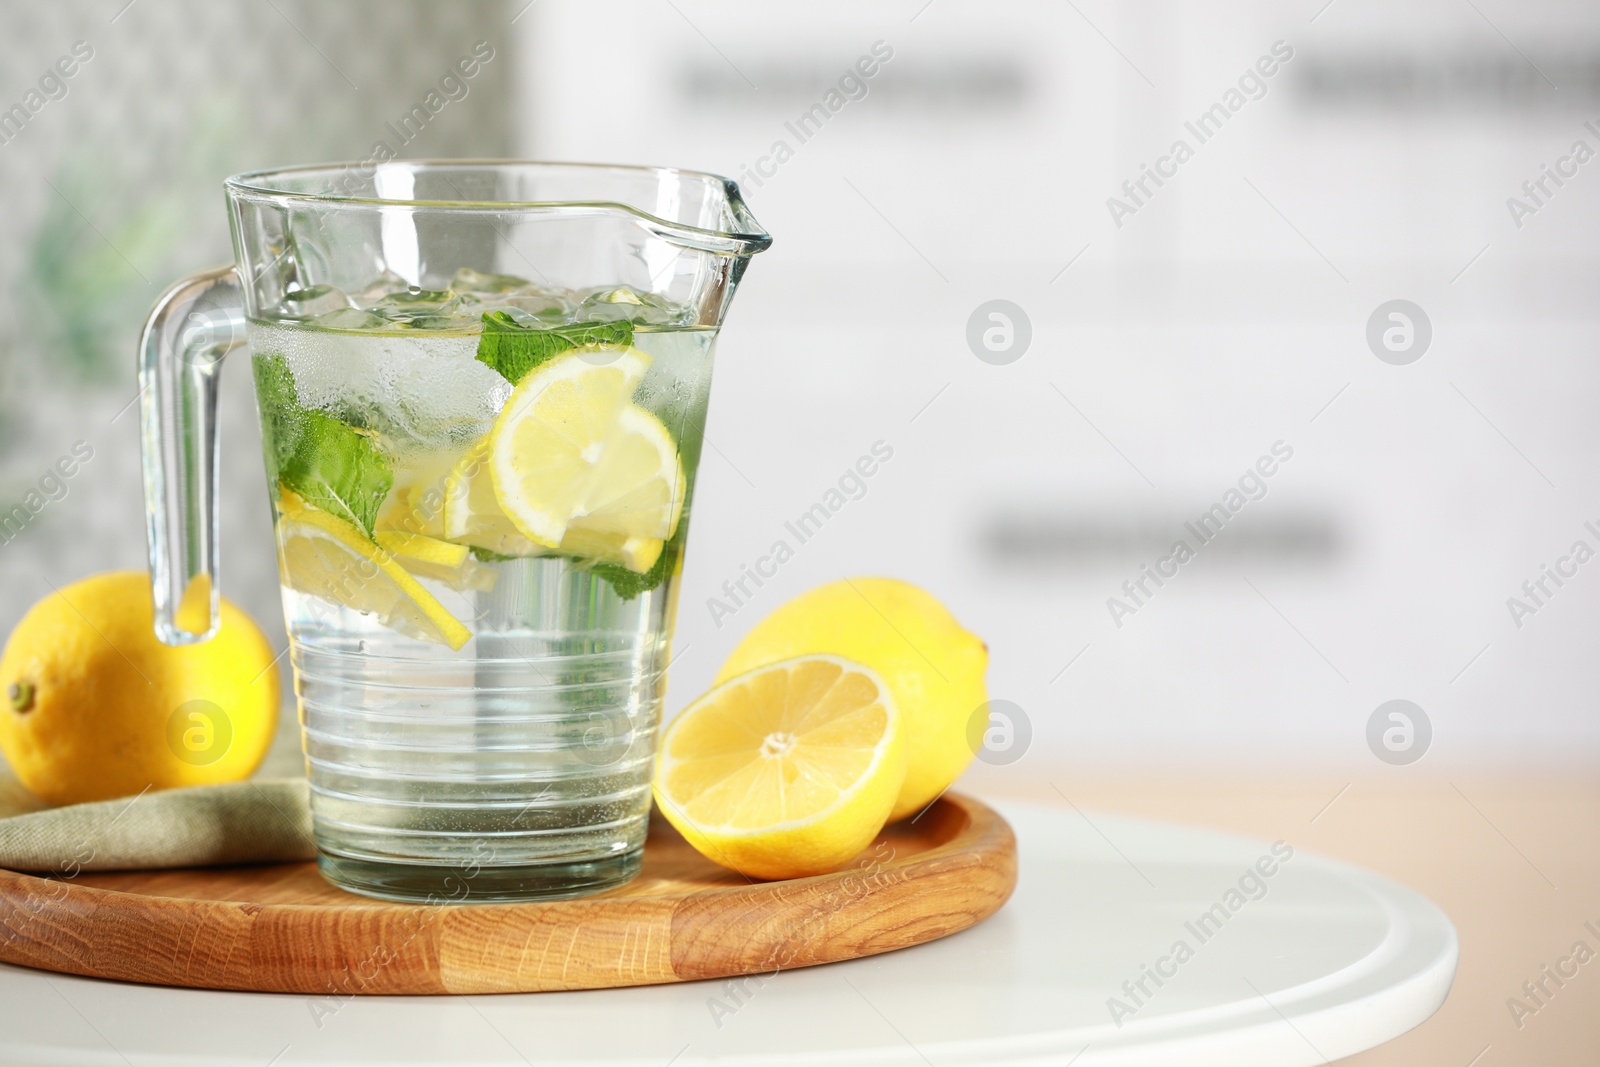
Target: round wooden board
(283,929)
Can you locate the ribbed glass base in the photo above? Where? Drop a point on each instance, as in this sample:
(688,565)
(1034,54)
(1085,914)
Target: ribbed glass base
(418,884)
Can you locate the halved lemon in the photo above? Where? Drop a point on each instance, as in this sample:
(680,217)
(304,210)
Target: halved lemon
(472,516)
(787,771)
(570,448)
(328,557)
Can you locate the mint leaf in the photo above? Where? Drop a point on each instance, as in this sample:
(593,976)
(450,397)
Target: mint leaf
(315,456)
(280,411)
(514,350)
(629,584)
(338,470)
(486,555)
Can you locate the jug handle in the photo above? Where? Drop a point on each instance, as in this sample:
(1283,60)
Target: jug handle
(193,325)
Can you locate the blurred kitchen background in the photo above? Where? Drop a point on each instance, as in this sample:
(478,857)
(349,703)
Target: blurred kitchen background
(1171,343)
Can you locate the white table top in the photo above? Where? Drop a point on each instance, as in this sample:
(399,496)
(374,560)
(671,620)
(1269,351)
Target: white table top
(1317,961)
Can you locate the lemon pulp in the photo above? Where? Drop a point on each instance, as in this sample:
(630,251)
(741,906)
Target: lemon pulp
(786,771)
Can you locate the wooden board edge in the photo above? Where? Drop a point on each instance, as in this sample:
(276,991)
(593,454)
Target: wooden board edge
(969,877)
(404,950)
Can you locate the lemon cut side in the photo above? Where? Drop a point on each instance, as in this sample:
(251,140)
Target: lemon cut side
(787,771)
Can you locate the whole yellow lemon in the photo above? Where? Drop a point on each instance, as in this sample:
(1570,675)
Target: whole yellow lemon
(934,668)
(93,706)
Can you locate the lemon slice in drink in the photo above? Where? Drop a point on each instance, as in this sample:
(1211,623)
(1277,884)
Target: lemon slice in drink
(327,557)
(412,509)
(570,448)
(787,771)
(421,549)
(638,554)
(637,487)
(443,561)
(472,516)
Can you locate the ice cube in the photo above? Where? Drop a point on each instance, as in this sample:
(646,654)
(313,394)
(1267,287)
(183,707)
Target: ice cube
(303,304)
(348,319)
(441,399)
(411,298)
(425,309)
(333,372)
(624,303)
(621,295)
(545,305)
(418,390)
(529,306)
(380,287)
(467,280)
(515,314)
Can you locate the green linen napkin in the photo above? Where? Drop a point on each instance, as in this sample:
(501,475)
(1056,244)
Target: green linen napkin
(267,821)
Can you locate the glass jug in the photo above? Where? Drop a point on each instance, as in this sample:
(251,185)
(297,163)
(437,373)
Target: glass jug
(482,389)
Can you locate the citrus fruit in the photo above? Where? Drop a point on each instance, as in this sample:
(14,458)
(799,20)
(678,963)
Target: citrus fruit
(787,771)
(93,706)
(933,667)
(419,549)
(327,557)
(570,448)
(472,516)
(638,554)
(410,509)
(443,561)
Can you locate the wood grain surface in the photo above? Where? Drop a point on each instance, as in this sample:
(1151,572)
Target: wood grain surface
(283,929)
